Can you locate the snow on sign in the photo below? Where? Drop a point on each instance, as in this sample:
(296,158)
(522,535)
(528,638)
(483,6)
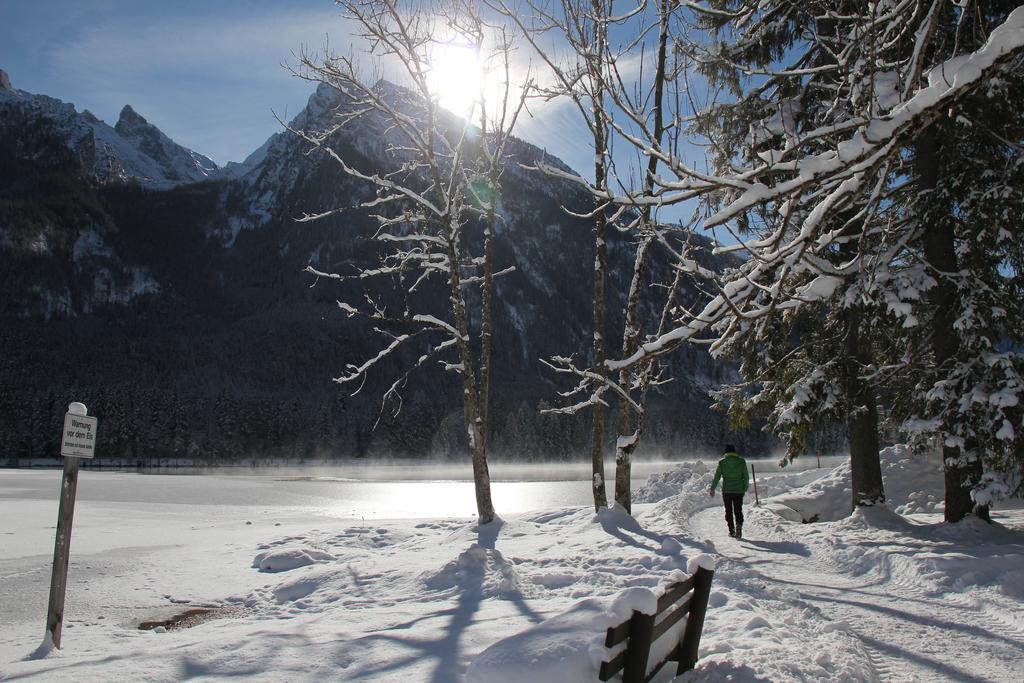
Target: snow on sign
(79,437)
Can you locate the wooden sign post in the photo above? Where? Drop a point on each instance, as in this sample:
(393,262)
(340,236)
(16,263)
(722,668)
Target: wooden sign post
(77,441)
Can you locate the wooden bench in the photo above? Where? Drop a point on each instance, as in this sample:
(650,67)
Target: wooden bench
(688,598)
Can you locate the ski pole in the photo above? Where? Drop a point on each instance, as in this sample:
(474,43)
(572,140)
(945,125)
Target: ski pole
(757,500)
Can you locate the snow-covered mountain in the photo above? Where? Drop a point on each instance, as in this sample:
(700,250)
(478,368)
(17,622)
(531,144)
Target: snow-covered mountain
(283,180)
(196,330)
(133,150)
(176,164)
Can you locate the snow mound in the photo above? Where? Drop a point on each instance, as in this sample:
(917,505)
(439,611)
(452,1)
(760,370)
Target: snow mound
(46,648)
(702,562)
(783,511)
(933,559)
(482,571)
(687,477)
(566,647)
(286,559)
(670,546)
(616,516)
(1012,584)
(303,586)
(911,485)
(826,499)
(635,599)
(830,659)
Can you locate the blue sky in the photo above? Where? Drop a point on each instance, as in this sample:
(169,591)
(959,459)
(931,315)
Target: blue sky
(209,74)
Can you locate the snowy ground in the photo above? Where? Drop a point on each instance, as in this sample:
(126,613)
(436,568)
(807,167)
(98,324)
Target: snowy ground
(889,595)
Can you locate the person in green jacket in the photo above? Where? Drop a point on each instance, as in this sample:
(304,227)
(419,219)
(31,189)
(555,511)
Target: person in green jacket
(732,470)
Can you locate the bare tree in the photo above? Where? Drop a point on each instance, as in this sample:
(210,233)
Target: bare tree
(583,26)
(601,80)
(885,75)
(428,199)
(651,105)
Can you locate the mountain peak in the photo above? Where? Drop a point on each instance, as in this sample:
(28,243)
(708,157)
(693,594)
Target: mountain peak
(5,81)
(326,98)
(326,90)
(176,164)
(129,118)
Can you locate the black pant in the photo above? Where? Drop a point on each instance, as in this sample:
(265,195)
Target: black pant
(733,506)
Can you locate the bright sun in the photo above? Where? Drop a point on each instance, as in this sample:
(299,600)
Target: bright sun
(455,77)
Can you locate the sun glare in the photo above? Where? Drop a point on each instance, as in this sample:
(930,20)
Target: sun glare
(455,77)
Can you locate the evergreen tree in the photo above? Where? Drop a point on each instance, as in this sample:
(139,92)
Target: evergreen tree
(919,241)
(963,193)
(830,164)
(805,365)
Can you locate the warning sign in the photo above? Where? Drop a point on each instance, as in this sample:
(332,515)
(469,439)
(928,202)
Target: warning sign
(79,439)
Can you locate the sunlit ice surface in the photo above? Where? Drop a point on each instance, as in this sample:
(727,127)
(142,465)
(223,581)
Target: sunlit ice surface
(414,490)
(405,490)
(393,489)
(450,499)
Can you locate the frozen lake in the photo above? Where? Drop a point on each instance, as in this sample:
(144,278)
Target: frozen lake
(360,490)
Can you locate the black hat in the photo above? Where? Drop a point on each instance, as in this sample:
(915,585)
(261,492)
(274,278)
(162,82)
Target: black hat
(729,448)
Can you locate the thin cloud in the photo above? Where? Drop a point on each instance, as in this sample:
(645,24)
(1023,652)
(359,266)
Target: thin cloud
(196,78)
(210,81)
(140,48)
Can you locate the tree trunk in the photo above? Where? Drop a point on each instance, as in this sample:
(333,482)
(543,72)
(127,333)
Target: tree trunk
(624,464)
(861,402)
(597,424)
(961,475)
(595,67)
(481,473)
(482,483)
(470,399)
(962,470)
(861,418)
(486,314)
(628,437)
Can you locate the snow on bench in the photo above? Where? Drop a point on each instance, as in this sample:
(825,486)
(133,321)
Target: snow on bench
(574,645)
(660,635)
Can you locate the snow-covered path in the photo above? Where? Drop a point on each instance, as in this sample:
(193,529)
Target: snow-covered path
(912,628)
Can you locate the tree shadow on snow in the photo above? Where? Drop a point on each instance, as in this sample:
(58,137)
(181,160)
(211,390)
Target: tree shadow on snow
(272,647)
(926,621)
(949,672)
(878,583)
(487,537)
(59,664)
(616,522)
(446,650)
(781,547)
(487,534)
